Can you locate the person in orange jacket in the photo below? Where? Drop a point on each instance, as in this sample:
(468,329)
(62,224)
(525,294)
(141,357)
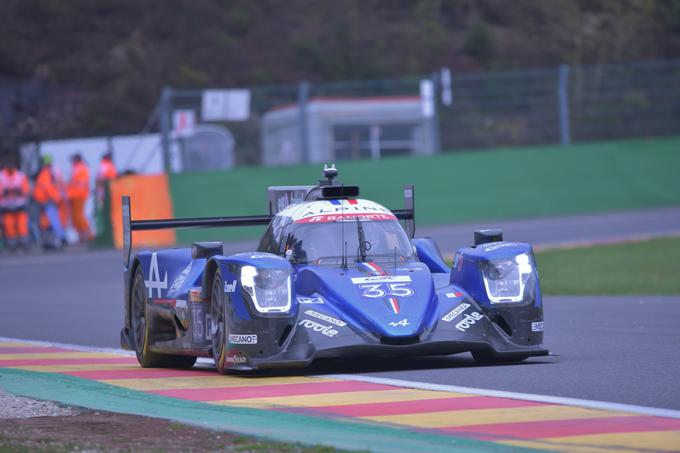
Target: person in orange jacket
(48,195)
(63,206)
(14,203)
(78,191)
(106,172)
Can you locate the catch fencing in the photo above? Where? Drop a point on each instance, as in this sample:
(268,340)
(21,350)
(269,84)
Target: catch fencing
(443,112)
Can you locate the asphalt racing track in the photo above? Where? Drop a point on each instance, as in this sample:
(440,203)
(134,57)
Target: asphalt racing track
(612,349)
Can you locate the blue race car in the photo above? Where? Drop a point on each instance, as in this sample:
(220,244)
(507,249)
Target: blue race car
(333,276)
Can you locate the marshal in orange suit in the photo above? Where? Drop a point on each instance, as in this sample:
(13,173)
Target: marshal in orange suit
(78,191)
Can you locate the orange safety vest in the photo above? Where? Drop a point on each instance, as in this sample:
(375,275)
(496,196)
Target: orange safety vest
(79,186)
(46,189)
(106,171)
(15,189)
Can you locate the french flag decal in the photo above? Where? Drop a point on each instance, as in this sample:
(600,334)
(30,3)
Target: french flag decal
(393,304)
(352,201)
(372,268)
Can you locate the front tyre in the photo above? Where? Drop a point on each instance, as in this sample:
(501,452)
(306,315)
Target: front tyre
(140,332)
(218,323)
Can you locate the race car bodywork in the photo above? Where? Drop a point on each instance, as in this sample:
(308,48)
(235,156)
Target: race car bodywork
(333,276)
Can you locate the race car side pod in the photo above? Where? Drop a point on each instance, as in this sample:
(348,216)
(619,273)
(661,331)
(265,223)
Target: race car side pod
(129,225)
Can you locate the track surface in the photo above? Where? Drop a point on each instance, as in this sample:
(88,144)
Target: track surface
(620,349)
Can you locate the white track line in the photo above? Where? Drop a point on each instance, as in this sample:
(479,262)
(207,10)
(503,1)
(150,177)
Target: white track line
(602,405)
(592,404)
(68,346)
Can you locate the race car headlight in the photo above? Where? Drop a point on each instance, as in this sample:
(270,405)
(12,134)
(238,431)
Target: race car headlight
(508,280)
(269,289)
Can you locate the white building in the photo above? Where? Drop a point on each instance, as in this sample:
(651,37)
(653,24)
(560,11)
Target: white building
(346,128)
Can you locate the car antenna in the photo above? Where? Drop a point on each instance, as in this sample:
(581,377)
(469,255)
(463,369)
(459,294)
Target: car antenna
(342,234)
(344,256)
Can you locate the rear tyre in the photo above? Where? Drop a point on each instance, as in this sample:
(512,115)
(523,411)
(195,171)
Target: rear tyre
(140,332)
(488,357)
(218,323)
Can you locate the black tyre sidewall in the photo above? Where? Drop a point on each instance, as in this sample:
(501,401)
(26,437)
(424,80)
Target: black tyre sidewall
(143,351)
(146,358)
(219,348)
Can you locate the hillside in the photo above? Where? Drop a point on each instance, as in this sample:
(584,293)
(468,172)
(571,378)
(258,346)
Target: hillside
(97,66)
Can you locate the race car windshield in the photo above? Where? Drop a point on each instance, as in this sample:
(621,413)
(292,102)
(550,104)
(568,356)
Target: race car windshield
(322,243)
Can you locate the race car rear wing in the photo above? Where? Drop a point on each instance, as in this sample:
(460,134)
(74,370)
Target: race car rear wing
(129,225)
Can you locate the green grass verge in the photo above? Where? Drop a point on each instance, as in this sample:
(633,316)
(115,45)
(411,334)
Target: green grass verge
(646,267)
(461,186)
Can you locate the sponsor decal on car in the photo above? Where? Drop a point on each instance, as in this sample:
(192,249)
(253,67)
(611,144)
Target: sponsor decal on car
(458,261)
(403,323)
(342,210)
(235,338)
(468,321)
(237,359)
(309,300)
(381,279)
(261,255)
(230,287)
(316,327)
(326,318)
(537,326)
(455,312)
(497,245)
(181,278)
(364,217)
(453,294)
(154,281)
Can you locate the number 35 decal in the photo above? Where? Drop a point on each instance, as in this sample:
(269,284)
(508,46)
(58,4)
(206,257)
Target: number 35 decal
(377,290)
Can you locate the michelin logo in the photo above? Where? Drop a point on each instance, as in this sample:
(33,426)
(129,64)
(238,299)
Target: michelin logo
(326,318)
(455,312)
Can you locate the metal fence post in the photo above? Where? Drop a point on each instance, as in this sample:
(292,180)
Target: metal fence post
(303,98)
(563,103)
(164,118)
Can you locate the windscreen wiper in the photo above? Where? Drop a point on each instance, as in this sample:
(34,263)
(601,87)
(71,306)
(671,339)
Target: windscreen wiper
(362,242)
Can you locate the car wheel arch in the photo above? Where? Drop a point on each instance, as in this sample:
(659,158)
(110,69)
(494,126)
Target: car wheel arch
(208,276)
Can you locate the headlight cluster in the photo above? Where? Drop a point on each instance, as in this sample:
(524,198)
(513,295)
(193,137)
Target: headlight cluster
(269,289)
(509,280)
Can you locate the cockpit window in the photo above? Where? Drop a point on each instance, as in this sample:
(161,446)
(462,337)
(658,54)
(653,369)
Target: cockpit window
(324,243)
(272,238)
